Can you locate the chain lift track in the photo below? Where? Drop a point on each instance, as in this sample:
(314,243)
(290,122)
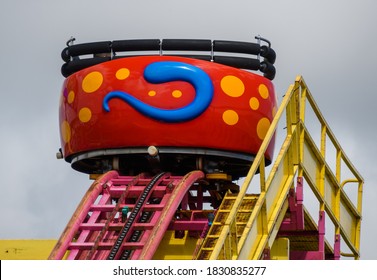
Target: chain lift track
(122,217)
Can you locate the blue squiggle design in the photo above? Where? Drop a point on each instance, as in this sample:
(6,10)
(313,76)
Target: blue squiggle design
(168,71)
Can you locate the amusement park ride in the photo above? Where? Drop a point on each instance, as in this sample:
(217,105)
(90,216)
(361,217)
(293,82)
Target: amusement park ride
(179,137)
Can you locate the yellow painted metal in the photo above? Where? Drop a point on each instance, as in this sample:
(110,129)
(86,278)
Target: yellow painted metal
(280,249)
(229,251)
(26,249)
(172,248)
(218,176)
(343,213)
(299,156)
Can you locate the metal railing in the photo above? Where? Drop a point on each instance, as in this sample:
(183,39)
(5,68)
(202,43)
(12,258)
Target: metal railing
(301,157)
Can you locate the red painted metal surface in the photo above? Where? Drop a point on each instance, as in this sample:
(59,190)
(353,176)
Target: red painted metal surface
(236,120)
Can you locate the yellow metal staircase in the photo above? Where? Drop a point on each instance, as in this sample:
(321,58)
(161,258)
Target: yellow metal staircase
(248,226)
(218,223)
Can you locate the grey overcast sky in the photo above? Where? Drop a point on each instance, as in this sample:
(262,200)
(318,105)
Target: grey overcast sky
(331,43)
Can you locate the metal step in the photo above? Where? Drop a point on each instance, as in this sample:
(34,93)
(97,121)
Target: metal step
(222,215)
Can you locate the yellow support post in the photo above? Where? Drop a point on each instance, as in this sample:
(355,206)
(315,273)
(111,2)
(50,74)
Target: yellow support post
(299,156)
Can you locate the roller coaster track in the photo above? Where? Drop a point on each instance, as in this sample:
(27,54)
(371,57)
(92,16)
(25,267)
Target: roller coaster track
(96,230)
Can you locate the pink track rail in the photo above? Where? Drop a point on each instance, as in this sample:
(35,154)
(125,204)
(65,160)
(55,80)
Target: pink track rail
(80,214)
(92,236)
(167,214)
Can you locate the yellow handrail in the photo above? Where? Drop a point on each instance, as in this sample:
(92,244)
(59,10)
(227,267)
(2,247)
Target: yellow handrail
(299,156)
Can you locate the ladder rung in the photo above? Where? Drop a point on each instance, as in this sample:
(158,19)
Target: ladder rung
(143,226)
(213,236)
(135,191)
(114,226)
(110,207)
(99,226)
(104,245)
(89,245)
(102,208)
(132,245)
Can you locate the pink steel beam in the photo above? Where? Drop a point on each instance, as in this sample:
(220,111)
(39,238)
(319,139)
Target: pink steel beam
(337,247)
(148,227)
(80,214)
(167,214)
(320,253)
(145,237)
(115,209)
(295,199)
(129,233)
(321,234)
(85,233)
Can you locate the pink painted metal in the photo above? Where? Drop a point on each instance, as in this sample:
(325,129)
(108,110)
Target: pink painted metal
(321,235)
(104,230)
(306,255)
(295,200)
(85,233)
(80,214)
(337,247)
(294,226)
(145,227)
(169,210)
(98,220)
(299,203)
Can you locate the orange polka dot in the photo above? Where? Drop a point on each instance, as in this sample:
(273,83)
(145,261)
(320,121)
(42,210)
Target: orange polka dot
(232,86)
(230,117)
(85,114)
(152,93)
(92,82)
(176,93)
(122,74)
(71,97)
(263,91)
(262,127)
(254,103)
(65,130)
